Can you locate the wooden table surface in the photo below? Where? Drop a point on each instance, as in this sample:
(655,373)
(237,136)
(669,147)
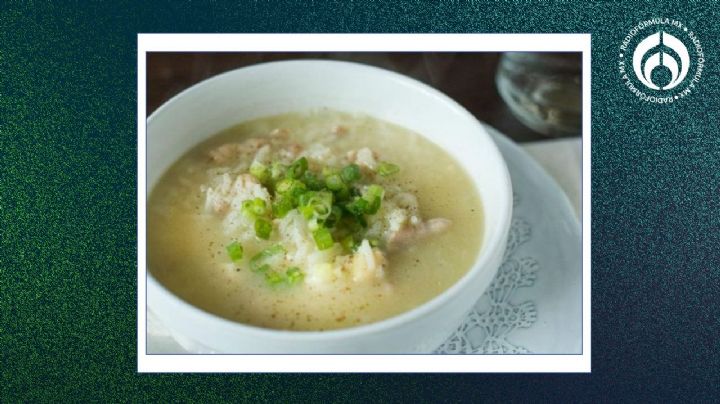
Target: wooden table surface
(469,78)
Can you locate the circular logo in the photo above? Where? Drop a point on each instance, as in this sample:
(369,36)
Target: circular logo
(661,61)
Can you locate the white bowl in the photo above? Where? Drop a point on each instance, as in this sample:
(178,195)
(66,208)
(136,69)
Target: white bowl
(274,88)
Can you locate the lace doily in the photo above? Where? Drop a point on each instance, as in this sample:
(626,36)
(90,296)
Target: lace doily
(494,317)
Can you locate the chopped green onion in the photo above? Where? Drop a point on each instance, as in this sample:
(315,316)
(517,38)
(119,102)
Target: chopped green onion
(284,186)
(350,173)
(235,251)
(368,204)
(261,268)
(263,228)
(253,208)
(305,198)
(328,200)
(323,238)
(334,217)
(343,194)
(334,182)
(313,182)
(355,225)
(328,171)
(282,206)
(373,194)
(297,168)
(277,171)
(260,258)
(260,171)
(298,189)
(273,278)
(307,211)
(291,188)
(386,169)
(315,204)
(313,224)
(348,243)
(358,206)
(293,275)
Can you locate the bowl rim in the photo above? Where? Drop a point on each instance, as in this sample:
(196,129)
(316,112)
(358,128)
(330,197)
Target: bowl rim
(483,256)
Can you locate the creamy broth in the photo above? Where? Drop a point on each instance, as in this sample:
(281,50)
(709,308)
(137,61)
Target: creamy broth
(187,248)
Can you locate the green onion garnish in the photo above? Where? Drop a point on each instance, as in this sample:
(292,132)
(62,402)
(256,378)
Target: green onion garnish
(358,206)
(387,169)
(334,182)
(293,275)
(312,181)
(273,278)
(235,251)
(373,194)
(284,186)
(260,171)
(277,171)
(304,198)
(263,228)
(343,194)
(282,206)
(350,173)
(297,168)
(334,216)
(290,188)
(257,261)
(327,199)
(307,211)
(315,204)
(323,238)
(348,243)
(328,171)
(253,208)
(261,268)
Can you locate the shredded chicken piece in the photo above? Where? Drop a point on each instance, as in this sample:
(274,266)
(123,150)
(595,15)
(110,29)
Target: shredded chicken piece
(263,154)
(406,200)
(298,240)
(325,267)
(232,193)
(319,153)
(409,234)
(367,264)
(363,157)
(290,152)
(232,151)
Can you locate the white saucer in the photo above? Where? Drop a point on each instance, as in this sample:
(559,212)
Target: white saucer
(534,304)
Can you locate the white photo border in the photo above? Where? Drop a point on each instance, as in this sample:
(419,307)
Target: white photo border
(566,363)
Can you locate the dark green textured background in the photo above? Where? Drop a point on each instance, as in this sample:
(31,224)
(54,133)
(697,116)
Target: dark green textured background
(68,205)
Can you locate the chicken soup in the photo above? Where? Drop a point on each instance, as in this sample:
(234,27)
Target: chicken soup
(313,221)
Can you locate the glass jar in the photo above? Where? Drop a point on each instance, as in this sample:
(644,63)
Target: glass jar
(543,90)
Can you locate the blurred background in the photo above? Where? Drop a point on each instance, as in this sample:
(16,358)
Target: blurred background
(527,96)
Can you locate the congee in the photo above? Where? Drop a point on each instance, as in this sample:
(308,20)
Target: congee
(313,221)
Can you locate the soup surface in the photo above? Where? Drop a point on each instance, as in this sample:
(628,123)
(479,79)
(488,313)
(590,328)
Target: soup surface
(313,221)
